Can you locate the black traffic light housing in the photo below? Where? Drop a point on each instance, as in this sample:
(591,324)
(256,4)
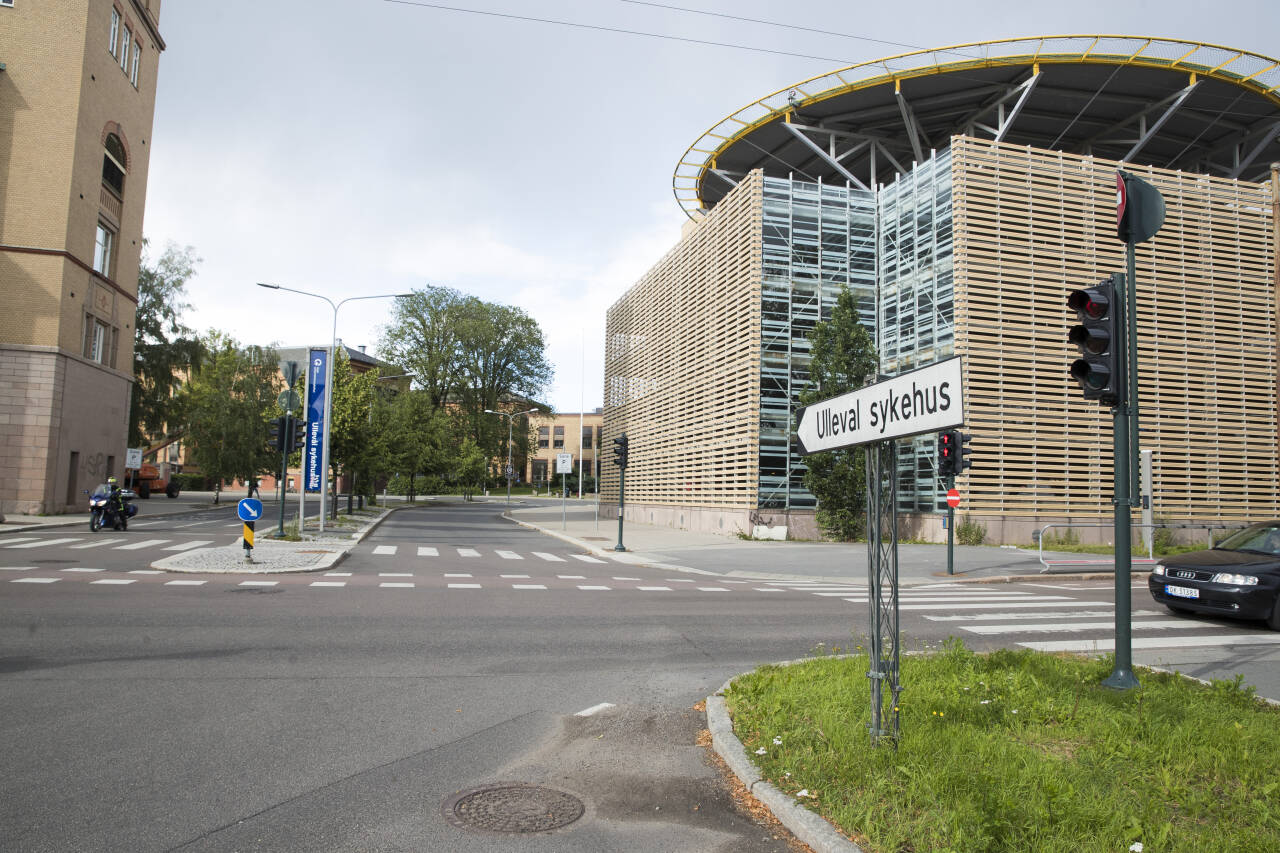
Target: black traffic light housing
(276,433)
(947,453)
(620,450)
(962,453)
(1099,337)
(297,434)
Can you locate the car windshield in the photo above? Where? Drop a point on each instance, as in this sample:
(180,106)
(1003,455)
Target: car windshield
(1261,538)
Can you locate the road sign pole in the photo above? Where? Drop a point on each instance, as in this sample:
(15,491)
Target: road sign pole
(622,484)
(564,500)
(951,528)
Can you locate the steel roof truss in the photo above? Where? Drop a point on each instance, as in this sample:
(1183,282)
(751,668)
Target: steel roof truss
(1267,137)
(1155,128)
(1006,122)
(913,131)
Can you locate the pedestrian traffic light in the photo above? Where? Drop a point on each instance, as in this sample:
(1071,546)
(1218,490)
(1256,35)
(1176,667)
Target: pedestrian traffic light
(276,434)
(620,450)
(298,434)
(947,453)
(962,453)
(1100,338)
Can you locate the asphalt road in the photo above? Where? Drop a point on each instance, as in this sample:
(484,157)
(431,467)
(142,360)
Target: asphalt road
(451,650)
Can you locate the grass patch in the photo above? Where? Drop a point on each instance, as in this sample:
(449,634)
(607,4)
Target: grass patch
(1019,751)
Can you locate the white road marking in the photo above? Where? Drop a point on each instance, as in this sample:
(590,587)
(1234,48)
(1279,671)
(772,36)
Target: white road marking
(457,574)
(115,581)
(328,583)
(572,577)
(1059,627)
(926,599)
(681,580)
(1062,614)
(384,550)
(960,606)
(187,546)
(7,541)
(397,585)
(145,572)
(513,577)
(584,558)
(16,568)
(40,543)
(594,709)
(464,586)
(713,589)
(625,579)
(395,574)
(580,586)
(468,552)
(35,580)
(550,558)
(258,583)
(97,543)
(82,569)
(528,586)
(337,574)
(654,588)
(767,589)
(145,543)
(424,551)
(508,555)
(1202,640)
(185,583)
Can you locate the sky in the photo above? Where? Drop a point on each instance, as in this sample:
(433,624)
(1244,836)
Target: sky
(369,147)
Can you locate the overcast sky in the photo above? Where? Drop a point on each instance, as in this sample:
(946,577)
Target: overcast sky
(369,146)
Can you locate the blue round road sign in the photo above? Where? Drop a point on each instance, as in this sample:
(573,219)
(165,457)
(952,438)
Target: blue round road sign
(249,509)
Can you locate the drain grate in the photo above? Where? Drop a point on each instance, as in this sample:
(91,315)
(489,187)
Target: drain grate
(512,807)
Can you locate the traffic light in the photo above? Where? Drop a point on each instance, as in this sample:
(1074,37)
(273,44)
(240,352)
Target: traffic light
(947,453)
(298,434)
(962,453)
(1100,338)
(620,450)
(276,433)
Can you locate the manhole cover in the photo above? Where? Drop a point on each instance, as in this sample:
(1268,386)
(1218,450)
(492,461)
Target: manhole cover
(512,807)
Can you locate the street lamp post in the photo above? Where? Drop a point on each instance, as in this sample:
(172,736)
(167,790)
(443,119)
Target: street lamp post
(509,416)
(328,396)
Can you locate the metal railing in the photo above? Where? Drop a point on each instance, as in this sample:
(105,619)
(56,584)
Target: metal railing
(1099,561)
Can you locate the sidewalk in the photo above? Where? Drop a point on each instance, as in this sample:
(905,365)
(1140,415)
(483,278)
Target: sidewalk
(835,562)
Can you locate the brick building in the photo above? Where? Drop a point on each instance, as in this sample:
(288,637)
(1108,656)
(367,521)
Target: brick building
(77,96)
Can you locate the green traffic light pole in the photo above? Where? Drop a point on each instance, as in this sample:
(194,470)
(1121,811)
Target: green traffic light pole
(622,486)
(951,528)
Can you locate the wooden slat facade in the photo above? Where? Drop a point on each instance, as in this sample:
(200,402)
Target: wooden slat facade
(1031,225)
(682,366)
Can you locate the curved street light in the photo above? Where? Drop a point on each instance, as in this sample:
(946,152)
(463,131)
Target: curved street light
(509,416)
(328,396)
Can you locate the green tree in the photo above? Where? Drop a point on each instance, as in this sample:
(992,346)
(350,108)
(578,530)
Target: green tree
(472,465)
(843,359)
(165,350)
(417,437)
(227,404)
(352,445)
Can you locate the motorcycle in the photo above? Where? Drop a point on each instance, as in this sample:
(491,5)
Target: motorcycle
(103,511)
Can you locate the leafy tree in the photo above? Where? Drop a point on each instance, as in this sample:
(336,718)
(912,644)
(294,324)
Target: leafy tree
(351,429)
(472,464)
(843,360)
(417,438)
(228,403)
(165,350)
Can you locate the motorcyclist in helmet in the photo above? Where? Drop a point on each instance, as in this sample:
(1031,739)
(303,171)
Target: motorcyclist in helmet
(115,499)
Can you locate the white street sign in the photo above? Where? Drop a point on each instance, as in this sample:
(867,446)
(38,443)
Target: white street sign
(564,463)
(924,400)
(133,458)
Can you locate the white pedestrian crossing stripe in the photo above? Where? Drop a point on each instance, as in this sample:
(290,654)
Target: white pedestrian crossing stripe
(384,550)
(187,546)
(424,551)
(468,552)
(97,543)
(550,558)
(145,543)
(584,558)
(40,543)
(509,555)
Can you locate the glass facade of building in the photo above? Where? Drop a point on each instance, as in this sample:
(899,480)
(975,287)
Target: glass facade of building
(818,238)
(916,318)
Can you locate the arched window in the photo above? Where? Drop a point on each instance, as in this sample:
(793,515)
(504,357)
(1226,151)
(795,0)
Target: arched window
(113,164)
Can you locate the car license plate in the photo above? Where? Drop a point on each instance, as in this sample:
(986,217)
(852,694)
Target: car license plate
(1181,591)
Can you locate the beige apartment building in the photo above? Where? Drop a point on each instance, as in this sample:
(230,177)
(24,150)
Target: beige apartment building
(574,433)
(77,97)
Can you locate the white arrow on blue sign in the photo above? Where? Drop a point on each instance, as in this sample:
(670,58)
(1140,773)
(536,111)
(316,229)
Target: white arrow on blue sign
(924,400)
(249,509)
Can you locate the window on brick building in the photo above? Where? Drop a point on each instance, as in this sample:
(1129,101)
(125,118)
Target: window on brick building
(125,44)
(114,43)
(544,439)
(113,160)
(586,438)
(100,341)
(559,437)
(137,60)
(103,250)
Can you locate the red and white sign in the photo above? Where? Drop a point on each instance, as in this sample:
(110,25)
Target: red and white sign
(953,498)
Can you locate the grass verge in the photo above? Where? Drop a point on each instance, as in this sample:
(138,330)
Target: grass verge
(1019,751)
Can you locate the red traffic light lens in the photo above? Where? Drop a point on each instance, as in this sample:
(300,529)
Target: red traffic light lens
(1088,303)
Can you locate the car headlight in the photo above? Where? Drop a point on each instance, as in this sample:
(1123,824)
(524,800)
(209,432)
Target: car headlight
(1158,570)
(1235,580)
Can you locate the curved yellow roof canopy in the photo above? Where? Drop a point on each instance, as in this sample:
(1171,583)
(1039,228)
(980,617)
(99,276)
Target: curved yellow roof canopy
(1163,102)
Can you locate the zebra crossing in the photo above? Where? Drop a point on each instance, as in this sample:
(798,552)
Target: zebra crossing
(473,553)
(1078,621)
(108,543)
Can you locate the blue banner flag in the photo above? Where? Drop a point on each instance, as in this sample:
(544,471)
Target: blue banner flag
(317,388)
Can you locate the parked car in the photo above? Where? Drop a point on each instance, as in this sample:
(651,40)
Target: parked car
(1238,577)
